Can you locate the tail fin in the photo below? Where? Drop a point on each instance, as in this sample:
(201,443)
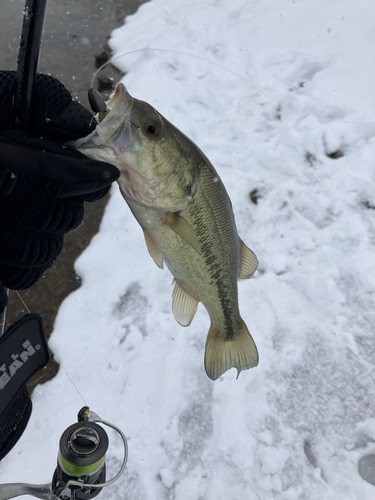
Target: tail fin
(240,352)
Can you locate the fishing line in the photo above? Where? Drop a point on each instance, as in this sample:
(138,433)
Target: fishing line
(183,54)
(53,354)
(206,61)
(23,302)
(70,378)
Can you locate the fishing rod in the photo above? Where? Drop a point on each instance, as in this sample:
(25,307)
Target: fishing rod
(3,312)
(81,469)
(27,65)
(18,343)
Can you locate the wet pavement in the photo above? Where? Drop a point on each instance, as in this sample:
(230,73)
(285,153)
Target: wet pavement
(74,44)
(75,32)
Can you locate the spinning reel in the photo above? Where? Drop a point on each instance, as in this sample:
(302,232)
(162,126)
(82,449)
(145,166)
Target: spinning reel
(81,472)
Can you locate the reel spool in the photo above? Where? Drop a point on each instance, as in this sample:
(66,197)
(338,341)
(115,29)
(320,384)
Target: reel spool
(82,456)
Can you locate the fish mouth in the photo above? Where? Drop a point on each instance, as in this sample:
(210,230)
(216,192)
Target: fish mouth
(121,100)
(120,107)
(118,113)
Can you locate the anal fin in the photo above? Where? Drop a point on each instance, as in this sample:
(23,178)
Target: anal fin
(153,249)
(184,305)
(249,262)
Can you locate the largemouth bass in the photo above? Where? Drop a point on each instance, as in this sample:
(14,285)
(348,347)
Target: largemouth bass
(186,215)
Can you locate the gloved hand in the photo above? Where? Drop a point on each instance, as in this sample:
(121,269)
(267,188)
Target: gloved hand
(43,182)
(43,186)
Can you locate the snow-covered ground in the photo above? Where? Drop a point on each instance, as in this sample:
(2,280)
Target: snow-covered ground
(296,129)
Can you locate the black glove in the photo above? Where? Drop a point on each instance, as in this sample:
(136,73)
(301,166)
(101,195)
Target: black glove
(43,186)
(43,182)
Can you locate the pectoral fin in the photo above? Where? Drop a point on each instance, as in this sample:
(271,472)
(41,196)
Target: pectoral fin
(184,305)
(153,249)
(181,227)
(249,262)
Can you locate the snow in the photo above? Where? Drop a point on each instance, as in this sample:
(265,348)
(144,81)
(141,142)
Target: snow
(281,99)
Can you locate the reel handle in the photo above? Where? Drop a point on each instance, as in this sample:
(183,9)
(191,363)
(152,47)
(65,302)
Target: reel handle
(13,490)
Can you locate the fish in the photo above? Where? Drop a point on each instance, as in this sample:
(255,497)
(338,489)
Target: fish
(187,219)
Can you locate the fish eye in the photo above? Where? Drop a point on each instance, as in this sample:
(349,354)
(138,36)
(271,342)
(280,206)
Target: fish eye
(153,129)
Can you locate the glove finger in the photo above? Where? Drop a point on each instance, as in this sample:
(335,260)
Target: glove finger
(95,196)
(31,239)
(25,214)
(54,115)
(18,278)
(63,171)
(35,251)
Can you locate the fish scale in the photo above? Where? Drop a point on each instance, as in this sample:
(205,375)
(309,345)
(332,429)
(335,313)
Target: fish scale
(211,216)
